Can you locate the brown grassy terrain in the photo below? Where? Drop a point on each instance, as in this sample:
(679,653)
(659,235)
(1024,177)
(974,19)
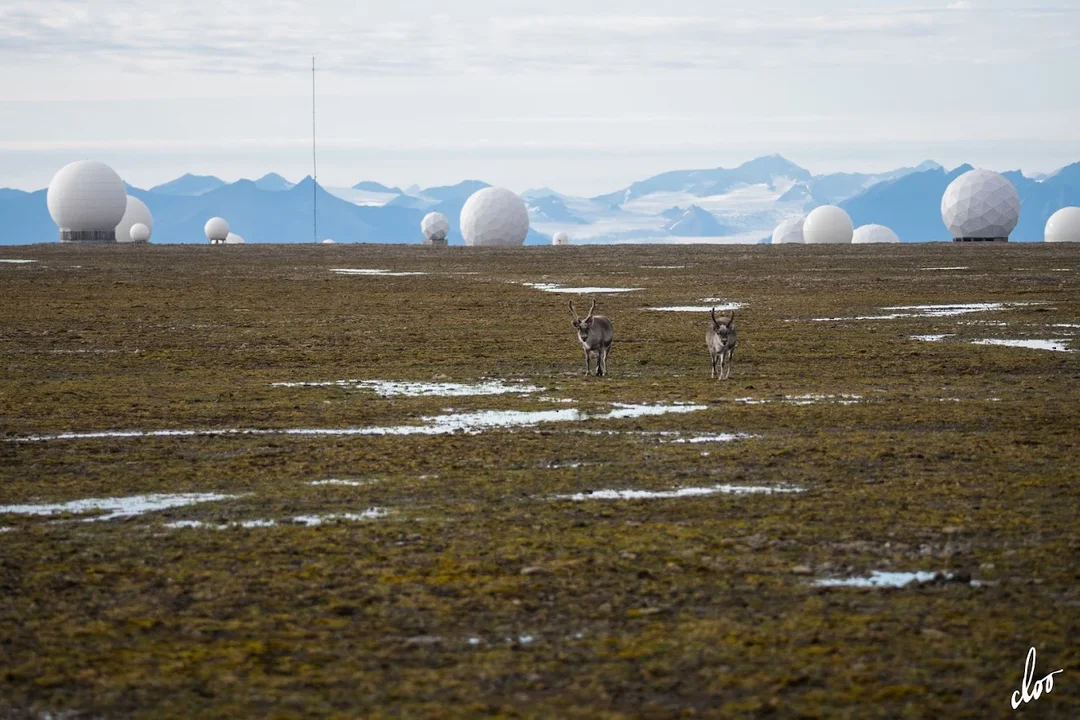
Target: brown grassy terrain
(479,594)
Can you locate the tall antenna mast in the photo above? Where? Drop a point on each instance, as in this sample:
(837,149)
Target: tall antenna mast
(314,167)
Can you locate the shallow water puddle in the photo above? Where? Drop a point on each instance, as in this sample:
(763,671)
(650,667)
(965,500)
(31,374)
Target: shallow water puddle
(931,338)
(1054,345)
(13,261)
(373,272)
(391,388)
(879,579)
(471,423)
(553,288)
(116,507)
(842,399)
(677,493)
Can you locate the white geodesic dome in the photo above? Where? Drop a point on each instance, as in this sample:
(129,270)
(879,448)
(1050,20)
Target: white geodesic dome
(980,205)
(328,241)
(874,234)
(86,195)
(138,233)
(560,238)
(494,216)
(1063,226)
(136,214)
(234,239)
(789,231)
(216,229)
(435,226)
(827,224)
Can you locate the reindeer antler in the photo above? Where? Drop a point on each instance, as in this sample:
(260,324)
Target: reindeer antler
(572,311)
(591,308)
(712,314)
(731,320)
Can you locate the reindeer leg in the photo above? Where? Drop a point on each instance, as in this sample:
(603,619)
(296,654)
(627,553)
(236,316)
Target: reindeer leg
(714,357)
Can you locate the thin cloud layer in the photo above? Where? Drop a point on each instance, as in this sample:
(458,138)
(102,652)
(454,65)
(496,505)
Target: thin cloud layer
(278,35)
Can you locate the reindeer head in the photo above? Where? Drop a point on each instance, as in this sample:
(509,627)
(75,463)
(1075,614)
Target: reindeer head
(582,326)
(722,327)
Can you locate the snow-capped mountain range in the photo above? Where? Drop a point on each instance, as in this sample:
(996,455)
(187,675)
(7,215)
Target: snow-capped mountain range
(728,205)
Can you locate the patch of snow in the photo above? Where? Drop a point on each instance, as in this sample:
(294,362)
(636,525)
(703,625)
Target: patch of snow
(962,267)
(677,493)
(116,507)
(663,267)
(390,388)
(372,272)
(932,338)
(553,288)
(471,423)
(314,520)
(346,483)
(14,261)
(723,306)
(879,579)
(929,311)
(1055,345)
(722,437)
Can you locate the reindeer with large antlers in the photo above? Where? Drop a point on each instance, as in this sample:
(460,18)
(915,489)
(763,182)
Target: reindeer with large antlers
(721,340)
(594,333)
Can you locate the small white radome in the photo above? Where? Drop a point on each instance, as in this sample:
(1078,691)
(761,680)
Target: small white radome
(980,205)
(216,229)
(136,214)
(873,234)
(494,216)
(86,195)
(1063,226)
(560,238)
(139,233)
(234,239)
(435,226)
(789,231)
(828,225)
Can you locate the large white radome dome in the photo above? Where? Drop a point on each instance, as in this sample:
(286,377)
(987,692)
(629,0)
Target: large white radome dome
(136,214)
(874,234)
(87,200)
(1063,226)
(828,224)
(435,226)
(980,205)
(234,239)
(494,216)
(789,231)
(216,230)
(560,238)
(138,233)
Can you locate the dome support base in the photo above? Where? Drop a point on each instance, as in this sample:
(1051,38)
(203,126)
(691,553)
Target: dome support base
(99,237)
(1002,239)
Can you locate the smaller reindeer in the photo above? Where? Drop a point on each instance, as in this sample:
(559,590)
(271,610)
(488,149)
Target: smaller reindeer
(594,333)
(721,339)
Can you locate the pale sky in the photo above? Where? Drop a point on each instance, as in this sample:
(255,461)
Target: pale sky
(581,97)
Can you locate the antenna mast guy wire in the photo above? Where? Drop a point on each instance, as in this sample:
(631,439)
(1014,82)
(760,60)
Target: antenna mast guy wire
(314,166)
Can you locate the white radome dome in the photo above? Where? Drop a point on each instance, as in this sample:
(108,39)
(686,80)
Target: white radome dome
(980,205)
(827,224)
(1063,226)
(86,195)
(328,241)
(789,231)
(138,233)
(136,214)
(435,226)
(494,216)
(216,229)
(234,239)
(874,234)
(560,238)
